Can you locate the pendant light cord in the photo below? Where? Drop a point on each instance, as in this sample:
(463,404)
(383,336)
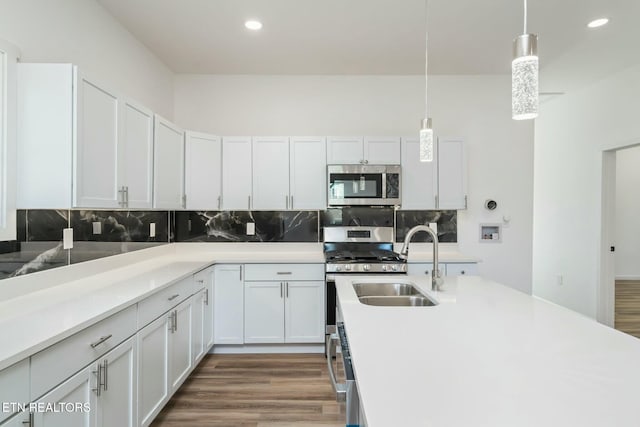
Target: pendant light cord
(426,59)
(525,17)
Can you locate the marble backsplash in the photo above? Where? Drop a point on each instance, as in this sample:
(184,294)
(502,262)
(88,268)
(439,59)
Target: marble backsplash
(101,233)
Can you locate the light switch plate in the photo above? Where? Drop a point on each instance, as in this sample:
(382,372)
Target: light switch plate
(97,227)
(67,238)
(251,228)
(152,229)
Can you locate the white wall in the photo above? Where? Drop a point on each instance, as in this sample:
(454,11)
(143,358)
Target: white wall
(570,136)
(477,108)
(627,219)
(83,33)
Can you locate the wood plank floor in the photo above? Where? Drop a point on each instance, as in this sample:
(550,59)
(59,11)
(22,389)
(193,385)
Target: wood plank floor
(255,390)
(627,307)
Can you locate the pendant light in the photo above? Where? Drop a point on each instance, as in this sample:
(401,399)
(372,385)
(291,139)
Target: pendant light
(524,75)
(426,131)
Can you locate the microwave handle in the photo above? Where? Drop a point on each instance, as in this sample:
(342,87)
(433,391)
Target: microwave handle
(340,389)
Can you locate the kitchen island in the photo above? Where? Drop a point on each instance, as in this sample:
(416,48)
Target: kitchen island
(487,355)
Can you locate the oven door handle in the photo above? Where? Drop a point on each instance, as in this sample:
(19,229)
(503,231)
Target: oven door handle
(340,389)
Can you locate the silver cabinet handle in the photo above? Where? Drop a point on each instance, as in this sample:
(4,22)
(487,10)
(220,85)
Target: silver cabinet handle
(29,422)
(283,272)
(437,201)
(465,202)
(280,289)
(199,281)
(126,194)
(286,201)
(184,201)
(286,289)
(291,202)
(98,380)
(206,296)
(101,340)
(121,196)
(249,202)
(106,374)
(171,322)
(340,389)
(462,272)
(172,297)
(219,202)
(241,273)
(175,320)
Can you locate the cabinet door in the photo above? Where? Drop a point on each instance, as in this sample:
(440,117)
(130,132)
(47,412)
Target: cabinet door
(208,312)
(270,173)
(168,176)
(236,173)
(153,367)
(452,174)
(462,269)
(264,312)
(77,390)
(423,269)
(228,301)
(345,150)
(203,171)
(197,321)
(96,151)
(180,344)
(135,157)
(308,173)
(8,146)
(382,150)
(19,420)
(419,179)
(304,312)
(117,404)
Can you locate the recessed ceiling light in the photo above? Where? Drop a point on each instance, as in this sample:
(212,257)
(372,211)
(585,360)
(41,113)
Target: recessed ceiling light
(598,22)
(253,25)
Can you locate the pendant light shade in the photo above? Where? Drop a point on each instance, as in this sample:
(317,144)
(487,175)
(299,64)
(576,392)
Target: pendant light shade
(426,130)
(524,75)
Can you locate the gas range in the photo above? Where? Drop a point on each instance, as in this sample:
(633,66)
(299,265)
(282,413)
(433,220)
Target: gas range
(361,250)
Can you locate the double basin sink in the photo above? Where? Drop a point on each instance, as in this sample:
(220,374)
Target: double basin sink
(392,295)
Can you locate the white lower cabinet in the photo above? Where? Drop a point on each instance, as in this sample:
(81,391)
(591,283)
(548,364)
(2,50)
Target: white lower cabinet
(117,401)
(153,369)
(423,268)
(18,420)
(197,330)
(462,269)
(14,386)
(180,344)
(78,390)
(283,311)
(228,301)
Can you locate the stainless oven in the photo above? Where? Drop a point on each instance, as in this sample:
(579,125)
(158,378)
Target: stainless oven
(369,185)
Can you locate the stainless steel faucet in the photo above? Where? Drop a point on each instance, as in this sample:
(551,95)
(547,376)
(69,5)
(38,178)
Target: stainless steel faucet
(436,279)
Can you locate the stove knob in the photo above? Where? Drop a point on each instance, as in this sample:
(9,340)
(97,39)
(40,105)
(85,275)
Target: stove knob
(347,267)
(384,268)
(394,267)
(338,268)
(366,267)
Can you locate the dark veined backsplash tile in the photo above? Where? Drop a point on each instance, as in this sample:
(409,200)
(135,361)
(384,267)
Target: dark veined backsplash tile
(119,226)
(447,225)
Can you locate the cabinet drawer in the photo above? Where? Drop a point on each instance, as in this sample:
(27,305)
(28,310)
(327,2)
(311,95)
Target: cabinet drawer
(14,385)
(462,269)
(162,301)
(53,365)
(200,279)
(423,268)
(285,272)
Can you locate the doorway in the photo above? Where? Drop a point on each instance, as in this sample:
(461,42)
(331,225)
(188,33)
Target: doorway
(619,305)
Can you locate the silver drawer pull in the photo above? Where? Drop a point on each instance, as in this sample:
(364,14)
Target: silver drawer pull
(172,297)
(283,272)
(101,340)
(200,281)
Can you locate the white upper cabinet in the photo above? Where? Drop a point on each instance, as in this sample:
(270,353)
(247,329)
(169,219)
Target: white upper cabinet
(357,150)
(135,156)
(236,173)
(80,144)
(270,173)
(419,179)
(168,187)
(8,125)
(308,173)
(203,171)
(382,150)
(96,150)
(344,150)
(452,174)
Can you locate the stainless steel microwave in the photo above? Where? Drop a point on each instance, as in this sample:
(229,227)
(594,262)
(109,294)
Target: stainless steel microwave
(358,185)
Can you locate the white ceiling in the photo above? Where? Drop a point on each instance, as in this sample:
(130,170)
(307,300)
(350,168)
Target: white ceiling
(380,36)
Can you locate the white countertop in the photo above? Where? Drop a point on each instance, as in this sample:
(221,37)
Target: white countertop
(488,355)
(89,292)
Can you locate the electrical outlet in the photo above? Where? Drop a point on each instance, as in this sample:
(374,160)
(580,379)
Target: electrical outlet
(67,238)
(97,227)
(152,229)
(434,227)
(251,228)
